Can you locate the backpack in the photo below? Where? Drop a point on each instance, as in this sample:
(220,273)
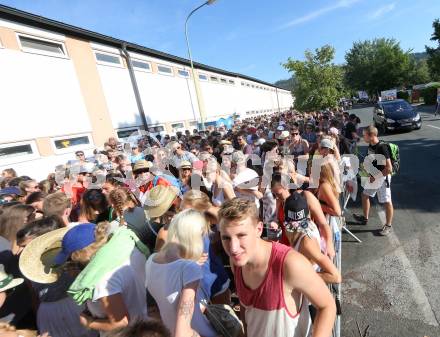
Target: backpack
(395,156)
(171,179)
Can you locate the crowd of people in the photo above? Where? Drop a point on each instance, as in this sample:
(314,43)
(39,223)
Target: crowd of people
(143,238)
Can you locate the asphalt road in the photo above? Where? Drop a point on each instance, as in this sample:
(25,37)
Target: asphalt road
(391,285)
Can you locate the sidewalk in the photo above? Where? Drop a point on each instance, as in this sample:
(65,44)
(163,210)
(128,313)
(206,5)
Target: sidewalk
(379,288)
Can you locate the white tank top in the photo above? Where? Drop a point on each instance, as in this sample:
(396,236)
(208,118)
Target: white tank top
(315,236)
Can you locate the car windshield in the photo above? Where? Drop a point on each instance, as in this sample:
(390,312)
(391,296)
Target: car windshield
(396,106)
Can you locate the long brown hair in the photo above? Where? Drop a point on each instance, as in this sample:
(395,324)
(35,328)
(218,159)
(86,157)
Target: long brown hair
(88,209)
(121,199)
(13,218)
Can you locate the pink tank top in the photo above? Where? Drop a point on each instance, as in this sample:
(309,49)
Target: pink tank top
(266,310)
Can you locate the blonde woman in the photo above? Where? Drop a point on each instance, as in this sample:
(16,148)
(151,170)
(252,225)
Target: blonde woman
(118,290)
(173,277)
(215,282)
(328,191)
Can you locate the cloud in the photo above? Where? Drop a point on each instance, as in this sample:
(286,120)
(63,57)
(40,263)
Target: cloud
(381,11)
(319,12)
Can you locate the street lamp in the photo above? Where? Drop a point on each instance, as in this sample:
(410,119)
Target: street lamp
(196,78)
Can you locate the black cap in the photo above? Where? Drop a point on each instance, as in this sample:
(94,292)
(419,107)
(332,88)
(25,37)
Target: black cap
(296,208)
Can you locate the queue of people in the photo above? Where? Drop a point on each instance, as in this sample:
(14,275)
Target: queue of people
(142,240)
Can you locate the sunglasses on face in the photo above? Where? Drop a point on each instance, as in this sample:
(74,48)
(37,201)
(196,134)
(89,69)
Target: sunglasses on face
(141,171)
(80,154)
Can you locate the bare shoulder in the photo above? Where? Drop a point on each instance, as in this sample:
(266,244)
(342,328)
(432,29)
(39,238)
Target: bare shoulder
(309,196)
(296,267)
(294,262)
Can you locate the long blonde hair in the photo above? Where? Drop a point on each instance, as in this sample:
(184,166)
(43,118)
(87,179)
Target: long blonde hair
(328,176)
(200,202)
(186,231)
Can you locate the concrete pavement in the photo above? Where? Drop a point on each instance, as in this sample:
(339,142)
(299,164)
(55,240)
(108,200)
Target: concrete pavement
(392,284)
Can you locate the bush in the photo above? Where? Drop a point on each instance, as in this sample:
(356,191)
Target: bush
(430,94)
(403,95)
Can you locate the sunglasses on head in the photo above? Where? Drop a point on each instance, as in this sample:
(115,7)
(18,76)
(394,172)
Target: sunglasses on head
(94,196)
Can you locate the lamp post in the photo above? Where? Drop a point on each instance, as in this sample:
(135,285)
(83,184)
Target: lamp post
(196,78)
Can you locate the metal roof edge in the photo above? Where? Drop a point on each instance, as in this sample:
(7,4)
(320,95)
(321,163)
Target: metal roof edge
(16,15)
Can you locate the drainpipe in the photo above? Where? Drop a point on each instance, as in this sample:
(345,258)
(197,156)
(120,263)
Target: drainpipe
(135,87)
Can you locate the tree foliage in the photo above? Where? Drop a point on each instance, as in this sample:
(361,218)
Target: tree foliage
(288,84)
(376,65)
(319,82)
(434,53)
(418,72)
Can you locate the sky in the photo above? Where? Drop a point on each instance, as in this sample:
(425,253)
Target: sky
(249,37)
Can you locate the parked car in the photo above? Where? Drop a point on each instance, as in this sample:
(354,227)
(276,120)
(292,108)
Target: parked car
(396,114)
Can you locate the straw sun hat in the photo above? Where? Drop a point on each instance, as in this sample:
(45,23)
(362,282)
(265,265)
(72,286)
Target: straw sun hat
(8,281)
(159,199)
(37,258)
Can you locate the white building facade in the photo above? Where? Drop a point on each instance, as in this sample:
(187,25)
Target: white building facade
(64,89)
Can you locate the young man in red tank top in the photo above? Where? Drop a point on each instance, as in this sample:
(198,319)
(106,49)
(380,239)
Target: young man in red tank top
(274,283)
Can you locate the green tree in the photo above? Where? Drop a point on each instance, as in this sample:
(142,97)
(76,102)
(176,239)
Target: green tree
(376,65)
(288,84)
(418,72)
(318,82)
(434,53)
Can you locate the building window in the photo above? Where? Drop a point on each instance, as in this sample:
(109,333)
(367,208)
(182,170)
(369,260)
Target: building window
(17,152)
(223,80)
(42,46)
(248,85)
(127,133)
(141,65)
(183,73)
(232,82)
(156,129)
(243,84)
(68,144)
(203,77)
(165,70)
(213,79)
(107,59)
(176,127)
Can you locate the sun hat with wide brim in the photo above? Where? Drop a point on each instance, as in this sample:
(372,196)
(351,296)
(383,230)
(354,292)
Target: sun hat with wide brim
(159,199)
(185,164)
(8,281)
(37,260)
(142,164)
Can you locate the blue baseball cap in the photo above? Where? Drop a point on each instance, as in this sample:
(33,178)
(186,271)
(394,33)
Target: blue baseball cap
(10,191)
(75,239)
